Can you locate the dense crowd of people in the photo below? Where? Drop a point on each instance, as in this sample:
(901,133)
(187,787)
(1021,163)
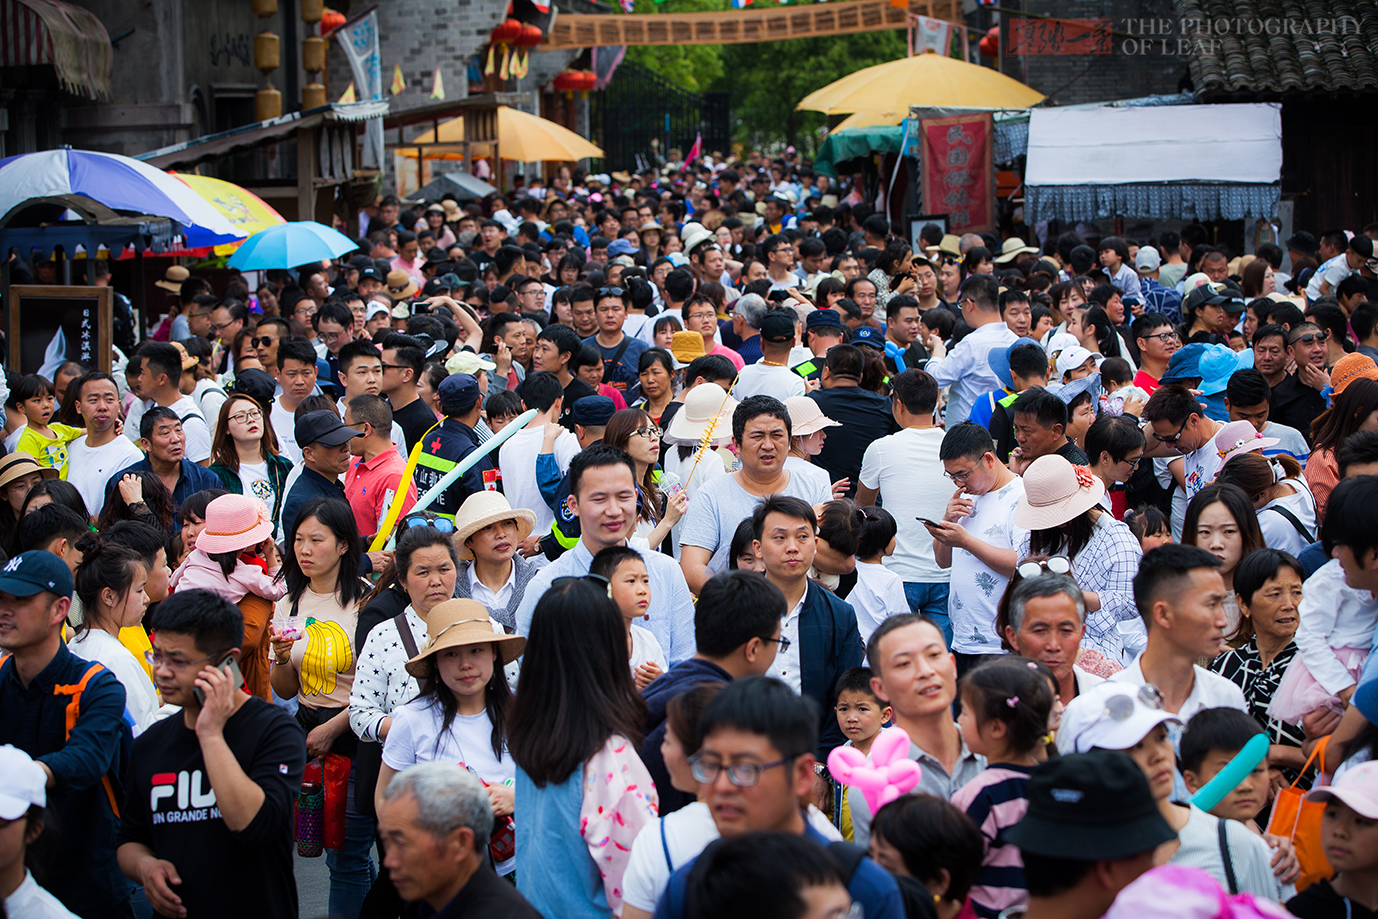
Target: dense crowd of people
(585,554)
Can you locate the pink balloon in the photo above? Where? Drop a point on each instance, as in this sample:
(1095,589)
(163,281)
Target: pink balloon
(887,774)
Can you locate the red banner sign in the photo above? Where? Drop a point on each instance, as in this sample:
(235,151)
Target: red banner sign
(1059,36)
(957,172)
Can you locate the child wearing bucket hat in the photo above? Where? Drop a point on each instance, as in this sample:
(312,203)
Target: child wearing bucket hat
(234,555)
(460,714)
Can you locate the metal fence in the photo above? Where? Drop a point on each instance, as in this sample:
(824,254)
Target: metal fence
(640,106)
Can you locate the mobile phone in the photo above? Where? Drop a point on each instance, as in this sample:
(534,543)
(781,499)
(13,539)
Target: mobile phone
(231,668)
(932,523)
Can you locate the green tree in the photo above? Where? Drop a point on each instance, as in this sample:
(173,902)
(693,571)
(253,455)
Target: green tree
(695,67)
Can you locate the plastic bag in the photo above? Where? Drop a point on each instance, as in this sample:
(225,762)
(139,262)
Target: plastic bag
(336,799)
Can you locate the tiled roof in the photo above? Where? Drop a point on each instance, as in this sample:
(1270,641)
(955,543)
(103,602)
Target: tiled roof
(1272,46)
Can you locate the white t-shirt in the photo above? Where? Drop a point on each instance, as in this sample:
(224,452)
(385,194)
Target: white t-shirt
(1333,272)
(722,504)
(808,470)
(285,427)
(517,460)
(29,901)
(905,469)
(1278,531)
(90,468)
(196,429)
(688,831)
(763,379)
(12,439)
(1198,470)
(415,737)
(645,649)
(976,588)
(209,396)
(140,698)
(878,595)
(253,478)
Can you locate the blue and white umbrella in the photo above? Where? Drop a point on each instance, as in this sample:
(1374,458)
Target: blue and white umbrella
(291,245)
(118,182)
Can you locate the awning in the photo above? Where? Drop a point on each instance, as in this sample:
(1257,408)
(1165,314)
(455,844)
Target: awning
(1189,162)
(186,155)
(72,39)
(854,143)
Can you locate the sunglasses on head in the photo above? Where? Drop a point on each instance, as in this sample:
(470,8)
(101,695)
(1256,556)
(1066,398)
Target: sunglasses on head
(1031,569)
(443,524)
(610,292)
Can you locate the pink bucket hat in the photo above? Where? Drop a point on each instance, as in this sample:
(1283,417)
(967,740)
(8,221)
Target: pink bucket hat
(234,523)
(1239,437)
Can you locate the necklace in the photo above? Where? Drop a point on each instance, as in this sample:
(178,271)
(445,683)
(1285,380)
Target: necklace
(772,363)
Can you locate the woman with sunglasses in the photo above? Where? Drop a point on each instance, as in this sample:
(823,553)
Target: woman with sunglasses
(487,532)
(1062,512)
(574,731)
(244,453)
(633,430)
(1131,719)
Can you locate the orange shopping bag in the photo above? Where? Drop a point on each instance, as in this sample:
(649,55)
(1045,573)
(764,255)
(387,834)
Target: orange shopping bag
(1300,821)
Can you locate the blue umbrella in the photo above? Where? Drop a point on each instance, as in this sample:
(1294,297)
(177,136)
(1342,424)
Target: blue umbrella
(288,245)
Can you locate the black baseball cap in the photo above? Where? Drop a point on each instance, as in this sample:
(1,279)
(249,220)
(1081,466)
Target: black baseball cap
(1303,242)
(36,570)
(777,326)
(256,384)
(360,262)
(371,271)
(1090,807)
(323,427)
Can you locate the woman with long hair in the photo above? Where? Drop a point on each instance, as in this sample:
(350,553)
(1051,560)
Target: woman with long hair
(573,732)
(1353,410)
(656,371)
(110,583)
(1062,513)
(1097,328)
(633,430)
(1221,519)
(460,714)
(1257,279)
(244,453)
(53,491)
(1286,510)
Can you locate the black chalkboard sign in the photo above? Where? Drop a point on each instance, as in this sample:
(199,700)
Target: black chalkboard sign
(50,325)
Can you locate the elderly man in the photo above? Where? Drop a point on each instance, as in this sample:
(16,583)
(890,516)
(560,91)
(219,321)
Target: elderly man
(437,856)
(1047,617)
(747,315)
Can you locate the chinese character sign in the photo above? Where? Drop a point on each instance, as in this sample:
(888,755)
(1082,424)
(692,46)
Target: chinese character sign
(1059,36)
(957,171)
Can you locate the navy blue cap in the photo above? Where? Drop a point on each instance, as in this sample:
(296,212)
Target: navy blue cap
(1184,364)
(372,272)
(30,572)
(592,411)
(823,319)
(868,335)
(458,392)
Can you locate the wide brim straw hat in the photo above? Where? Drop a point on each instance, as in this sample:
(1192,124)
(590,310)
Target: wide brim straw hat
(483,509)
(234,523)
(706,408)
(1055,492)
(21,464)
(458,624)
(805,417)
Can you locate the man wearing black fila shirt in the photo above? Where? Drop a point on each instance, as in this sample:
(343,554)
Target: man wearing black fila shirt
(207,824)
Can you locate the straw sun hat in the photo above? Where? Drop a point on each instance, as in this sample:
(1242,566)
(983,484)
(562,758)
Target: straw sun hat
(458,624)
(703,405)
(1055,491)
(17,465)
(483,509)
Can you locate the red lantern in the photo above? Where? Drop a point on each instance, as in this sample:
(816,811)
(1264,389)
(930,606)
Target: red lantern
(989,45)
(331,21)
(587,79)
(567,82)
(507,33)
(529,37)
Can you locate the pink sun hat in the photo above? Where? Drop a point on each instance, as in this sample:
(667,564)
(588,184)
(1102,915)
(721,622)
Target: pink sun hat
(1238,438)
(234,523)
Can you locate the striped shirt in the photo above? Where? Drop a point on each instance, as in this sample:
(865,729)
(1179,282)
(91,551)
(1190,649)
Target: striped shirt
(995,801)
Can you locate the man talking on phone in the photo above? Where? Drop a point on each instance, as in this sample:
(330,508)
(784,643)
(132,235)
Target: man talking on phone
(207,823)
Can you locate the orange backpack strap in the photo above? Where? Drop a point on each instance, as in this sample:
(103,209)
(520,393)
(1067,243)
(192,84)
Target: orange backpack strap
(74,712)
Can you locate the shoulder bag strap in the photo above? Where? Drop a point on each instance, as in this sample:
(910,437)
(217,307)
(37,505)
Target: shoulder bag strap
(1292,519)
(616,356)
(665,847)
(1225,857)
(404,630)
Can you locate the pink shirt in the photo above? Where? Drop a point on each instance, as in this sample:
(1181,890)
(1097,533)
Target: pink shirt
(400,264)
(731,355)
(370,486)
(618,401)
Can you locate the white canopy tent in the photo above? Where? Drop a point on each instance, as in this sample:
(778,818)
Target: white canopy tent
(1202,162)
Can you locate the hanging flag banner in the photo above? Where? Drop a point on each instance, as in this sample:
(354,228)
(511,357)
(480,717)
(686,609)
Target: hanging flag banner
(359,40)
(695,151)
(957,170)
(934,35)
(438,89)
(1059,36)
(348,97)
(399,83)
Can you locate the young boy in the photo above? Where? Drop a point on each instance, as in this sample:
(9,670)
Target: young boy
(860,715)
(47,443)
(1213,737)
(629,586)
(1349,834)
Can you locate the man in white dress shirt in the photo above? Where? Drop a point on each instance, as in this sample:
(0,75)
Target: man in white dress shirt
(967,368)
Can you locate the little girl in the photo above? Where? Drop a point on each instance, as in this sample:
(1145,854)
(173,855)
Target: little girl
(242,558)
(1006,703)
(1150,527)
(629,586)
(35,396)
(879,592)
(461,712)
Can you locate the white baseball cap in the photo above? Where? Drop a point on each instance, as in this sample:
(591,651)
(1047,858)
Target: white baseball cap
(1074,357)
(22,783)
(1147,259)
(1061,342)
(1111,716)
(375,307)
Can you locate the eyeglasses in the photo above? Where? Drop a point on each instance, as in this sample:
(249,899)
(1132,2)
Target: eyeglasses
(218,327)
(1133,463)
(1172,438)
(694,317)
(1311,337)
(743,775)
(1058,564)
(156,660)
(652,432)
(1166,338)
(959,478)
(443,524)
(782,641)
(246,416)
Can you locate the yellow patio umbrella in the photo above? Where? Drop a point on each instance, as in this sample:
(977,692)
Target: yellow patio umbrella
(522,137)
(871,120)
(930,80)
(247,211)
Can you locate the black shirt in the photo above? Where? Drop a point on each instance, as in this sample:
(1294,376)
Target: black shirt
(1072,454)
(1295,404)
(171,809)
(864,416)
(415,419)
(485,896)
(576,390)
(1320,901)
